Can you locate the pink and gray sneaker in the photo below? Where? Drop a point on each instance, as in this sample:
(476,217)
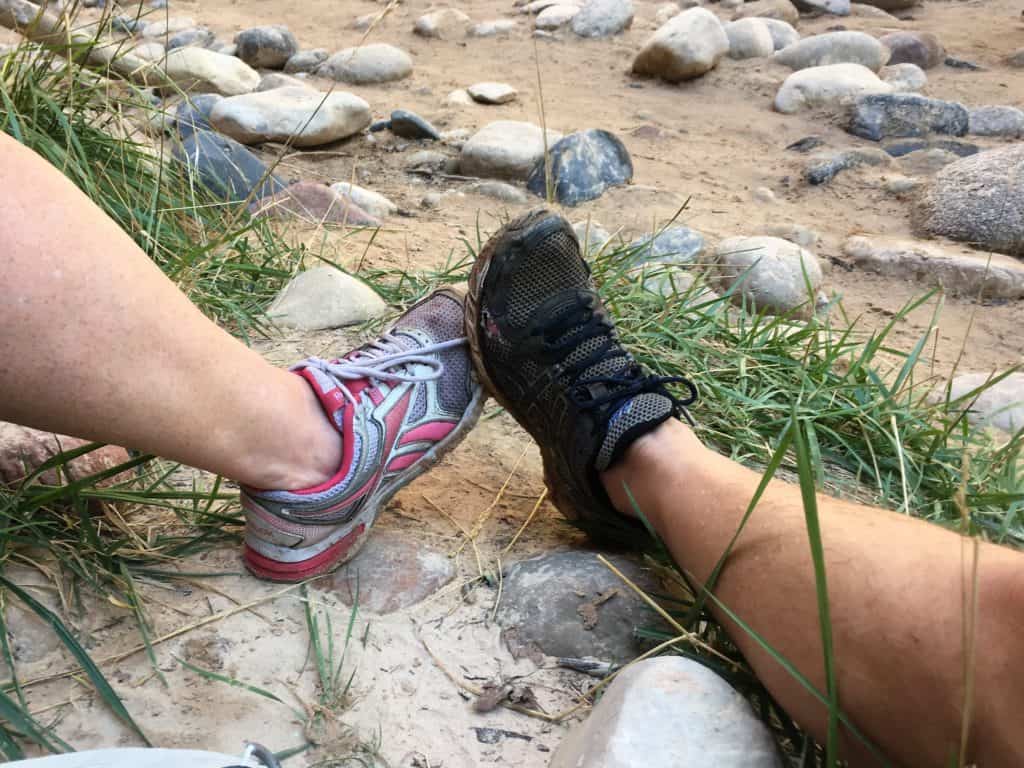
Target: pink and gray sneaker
(400,404)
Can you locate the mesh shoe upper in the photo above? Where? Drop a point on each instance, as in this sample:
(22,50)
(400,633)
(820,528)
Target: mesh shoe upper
(549,352)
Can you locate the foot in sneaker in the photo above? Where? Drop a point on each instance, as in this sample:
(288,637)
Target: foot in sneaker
(400,404)
(544,345)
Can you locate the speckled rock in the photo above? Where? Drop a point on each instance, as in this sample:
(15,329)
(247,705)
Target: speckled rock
(996,121)
(832,86)
(225,167)
(880,116)
(592,235)
(768,273)
(823,168)
(193,114)
(686,47)
(442,23)
(492,93)
(267,47)
(305,117)
(679,713)
(201,36)
(505,149)
(749,39)
(978,199)
(835,48)
(999,405)
(921,48)
(372,202)
(583,166)
(305,61)
(201,71)
(672,245)
(904,78)
(906,146)
(24,450)
(566,621)
(409,125)
(603,18)
(325,297)
(369,64)
(783,10)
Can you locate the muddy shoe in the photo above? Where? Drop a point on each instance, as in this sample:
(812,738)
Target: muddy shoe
(400,404)
(545,347)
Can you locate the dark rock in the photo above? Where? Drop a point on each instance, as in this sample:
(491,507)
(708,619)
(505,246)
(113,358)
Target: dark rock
(193,114)
(269,46)
(201,36)
(881,115)
(391,572)
(225,167)
(126,25)
(823,170)
(955,63)
(380,125)
(820,7)
(583,166)
(305,61)
(959,148)
(672,245)
(312,203)
(555,602)
(409,125)
(806,144)
(920,48)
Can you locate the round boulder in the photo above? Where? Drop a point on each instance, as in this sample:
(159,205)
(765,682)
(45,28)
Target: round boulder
(749,39)
(305,117)
(829,86)
(583,166)
(603,18)
(201,71)
(835,48)
(305,61)
(505,149)
(768,273)
(687,46)
(368,64)
(267,47)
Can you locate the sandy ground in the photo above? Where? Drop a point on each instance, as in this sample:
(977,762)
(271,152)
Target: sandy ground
(712,141)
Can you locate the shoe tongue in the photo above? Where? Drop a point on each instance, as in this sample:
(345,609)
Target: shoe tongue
(632,419)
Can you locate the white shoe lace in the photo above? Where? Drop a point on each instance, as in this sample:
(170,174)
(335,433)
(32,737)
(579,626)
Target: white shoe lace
(383,360)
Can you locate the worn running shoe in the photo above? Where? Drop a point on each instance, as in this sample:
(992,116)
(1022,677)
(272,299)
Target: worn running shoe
(400,404)
(544,345)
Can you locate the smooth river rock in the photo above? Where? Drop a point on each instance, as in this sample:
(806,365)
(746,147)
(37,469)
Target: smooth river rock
(1007,122)
(325,297)
(687,46)
(225,167)
(201,71)
(603,18)
(768,273)
(999,404)
(302,116)
(921,48)
(834,85)
(895,115)
(267,47)
(367,65)
(749,39)
(583,166)
(835,48)
(505,149)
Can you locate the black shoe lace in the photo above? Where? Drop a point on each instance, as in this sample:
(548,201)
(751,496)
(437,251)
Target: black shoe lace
(580,322)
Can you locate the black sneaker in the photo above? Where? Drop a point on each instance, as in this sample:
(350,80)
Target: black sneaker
(545,347)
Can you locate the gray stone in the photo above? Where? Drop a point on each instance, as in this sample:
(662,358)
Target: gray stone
(325,297)
(305,61)
(865,11)
(749,39)
(273,80)
(823,168)
(553,601)
(201,36)
(372,202)
(305,117)
(603,18)
(979,200)
(583,165)
(228,49)
(442,23)
(267,47)
(367,20)
(592,236)
(368,64)
(150,50)
(126,24)
(831,86)
(459,98)
(409,125)
(835,48)
(225,167)
(201,71)
(392,571)
(996,121)
(904,78)
(431,160)
(672,282)
(674,712)
(906,146)
(166,27)
(672,245)
(999,405)
(31,639)
(499,190)
(492,28)
(921,48)
(666,11)
(1016,59)
(926,162)
(505,149)
(783,34)
(193,114)
(881,116)
(783,10)
(902,186)
(768,273)
(492,93)
(958,271)
(686,47)
(955,63)
(431,200)
(803,236)
(819,7)
(555,16)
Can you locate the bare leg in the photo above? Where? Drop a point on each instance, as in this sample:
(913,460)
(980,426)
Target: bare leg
(98,343)
(895,590)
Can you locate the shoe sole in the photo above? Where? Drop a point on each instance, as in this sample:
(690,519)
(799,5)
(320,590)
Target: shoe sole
(358,529)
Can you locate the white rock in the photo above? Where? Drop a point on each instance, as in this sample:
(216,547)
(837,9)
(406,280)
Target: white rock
(307,117)
(866,11)
(444,22)
(783,10)
(492,28)
(367,20)
(670,712)
(749,39)
(769,273)
(959,271)
(555,16)
(996,121)
(795,233)
(904,78)
(603,18)
(372,202)
(201,71)
(829,86)
(492,93)
(845,47)
(273,80)
(999,405)
(686,47)
(505,149)
(150,50)
(783,33)
(539,5)
(325,297)
(666,11)
(167,27)
(368,64)
(591,235)
(499,190)
(459,98)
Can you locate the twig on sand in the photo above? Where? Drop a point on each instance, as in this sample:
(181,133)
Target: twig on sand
(529,519)
(485,515)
